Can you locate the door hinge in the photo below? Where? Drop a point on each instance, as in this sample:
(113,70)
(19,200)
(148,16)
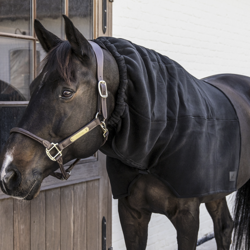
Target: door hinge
(104,234)
(104,16)
(104,239)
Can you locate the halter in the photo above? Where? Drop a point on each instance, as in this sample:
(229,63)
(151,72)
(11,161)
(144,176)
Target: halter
(101,111)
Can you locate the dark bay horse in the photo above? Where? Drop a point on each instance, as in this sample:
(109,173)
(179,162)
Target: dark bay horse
(64,97)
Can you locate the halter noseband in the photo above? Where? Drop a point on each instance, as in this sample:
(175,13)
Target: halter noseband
(102,111)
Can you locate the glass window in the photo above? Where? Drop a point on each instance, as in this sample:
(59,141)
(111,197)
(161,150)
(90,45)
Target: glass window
(18,62)
(17,58)
(81,14)
(49,13)
(15,16)
(40,55)
(16,69)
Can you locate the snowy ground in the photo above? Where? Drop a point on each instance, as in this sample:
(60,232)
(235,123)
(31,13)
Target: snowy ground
(209,245)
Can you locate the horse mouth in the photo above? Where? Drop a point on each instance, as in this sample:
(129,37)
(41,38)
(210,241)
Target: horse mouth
(29,195)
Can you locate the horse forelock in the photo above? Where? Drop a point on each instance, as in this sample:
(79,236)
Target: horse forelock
(59,60)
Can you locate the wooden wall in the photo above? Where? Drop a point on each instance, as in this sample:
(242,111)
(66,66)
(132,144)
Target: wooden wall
(62,218)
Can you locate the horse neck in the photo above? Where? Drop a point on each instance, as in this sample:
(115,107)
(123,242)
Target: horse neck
(111,76)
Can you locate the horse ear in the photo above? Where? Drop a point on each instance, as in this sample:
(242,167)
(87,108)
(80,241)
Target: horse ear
(47,39)
(78,42)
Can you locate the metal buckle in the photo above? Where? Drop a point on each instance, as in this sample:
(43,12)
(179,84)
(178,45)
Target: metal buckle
(53,158)
(104,129)
(100,91)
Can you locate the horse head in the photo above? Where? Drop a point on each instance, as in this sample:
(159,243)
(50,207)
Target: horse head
(64,98)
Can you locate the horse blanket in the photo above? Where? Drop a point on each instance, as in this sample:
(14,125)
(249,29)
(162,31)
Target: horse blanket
(167,123)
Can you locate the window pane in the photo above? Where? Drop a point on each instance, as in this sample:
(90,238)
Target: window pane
(15,16)
(40,55)
(81,14)
(15,69)
(49,13)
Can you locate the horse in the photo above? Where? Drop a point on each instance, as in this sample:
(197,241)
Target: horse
(65,97)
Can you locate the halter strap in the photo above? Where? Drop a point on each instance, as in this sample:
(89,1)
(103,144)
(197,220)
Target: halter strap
(102,111)
(102,87)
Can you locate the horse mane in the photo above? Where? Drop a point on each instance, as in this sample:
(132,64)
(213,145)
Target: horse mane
(59,60)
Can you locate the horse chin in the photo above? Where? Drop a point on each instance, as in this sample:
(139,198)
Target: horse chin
(32,193)
(37,193)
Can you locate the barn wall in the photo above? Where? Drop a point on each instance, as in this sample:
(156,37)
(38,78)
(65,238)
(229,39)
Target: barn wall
(206,38)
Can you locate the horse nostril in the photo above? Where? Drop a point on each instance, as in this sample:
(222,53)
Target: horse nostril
(11,180)
(8,176)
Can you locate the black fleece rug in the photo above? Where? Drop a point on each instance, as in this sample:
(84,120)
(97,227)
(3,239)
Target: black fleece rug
(169,124)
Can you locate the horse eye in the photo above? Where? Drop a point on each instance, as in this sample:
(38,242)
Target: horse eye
(67,94)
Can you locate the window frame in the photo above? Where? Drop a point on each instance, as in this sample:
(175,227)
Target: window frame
(97,31)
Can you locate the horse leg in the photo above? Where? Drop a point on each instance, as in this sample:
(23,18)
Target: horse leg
(223,223)
(134,222)
(186,222)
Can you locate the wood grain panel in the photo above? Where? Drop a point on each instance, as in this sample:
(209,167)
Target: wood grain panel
(80,193)
(93,220)
(105,201)
(109,18)
(6,224)
(81,172)
(98,19)
(38,222)
(67,218)
(95,18)
(21,225)
(52,219)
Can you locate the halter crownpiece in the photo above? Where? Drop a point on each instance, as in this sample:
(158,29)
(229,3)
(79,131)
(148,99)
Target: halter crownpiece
(102,111)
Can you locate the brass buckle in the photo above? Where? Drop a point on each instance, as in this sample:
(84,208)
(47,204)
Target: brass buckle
(104,129)
(100,91)
(53,158)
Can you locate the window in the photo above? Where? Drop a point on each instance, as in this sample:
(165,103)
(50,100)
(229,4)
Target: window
(21,53)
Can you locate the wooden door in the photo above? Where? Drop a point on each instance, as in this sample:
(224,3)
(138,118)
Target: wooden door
(66,214)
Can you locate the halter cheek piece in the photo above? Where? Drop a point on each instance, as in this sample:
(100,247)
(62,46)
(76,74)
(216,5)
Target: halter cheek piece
(102,111)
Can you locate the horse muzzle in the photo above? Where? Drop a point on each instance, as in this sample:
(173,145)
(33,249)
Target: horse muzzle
(14,185)
(10,179)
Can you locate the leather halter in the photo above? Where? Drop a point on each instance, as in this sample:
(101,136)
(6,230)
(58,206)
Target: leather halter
(102,111)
